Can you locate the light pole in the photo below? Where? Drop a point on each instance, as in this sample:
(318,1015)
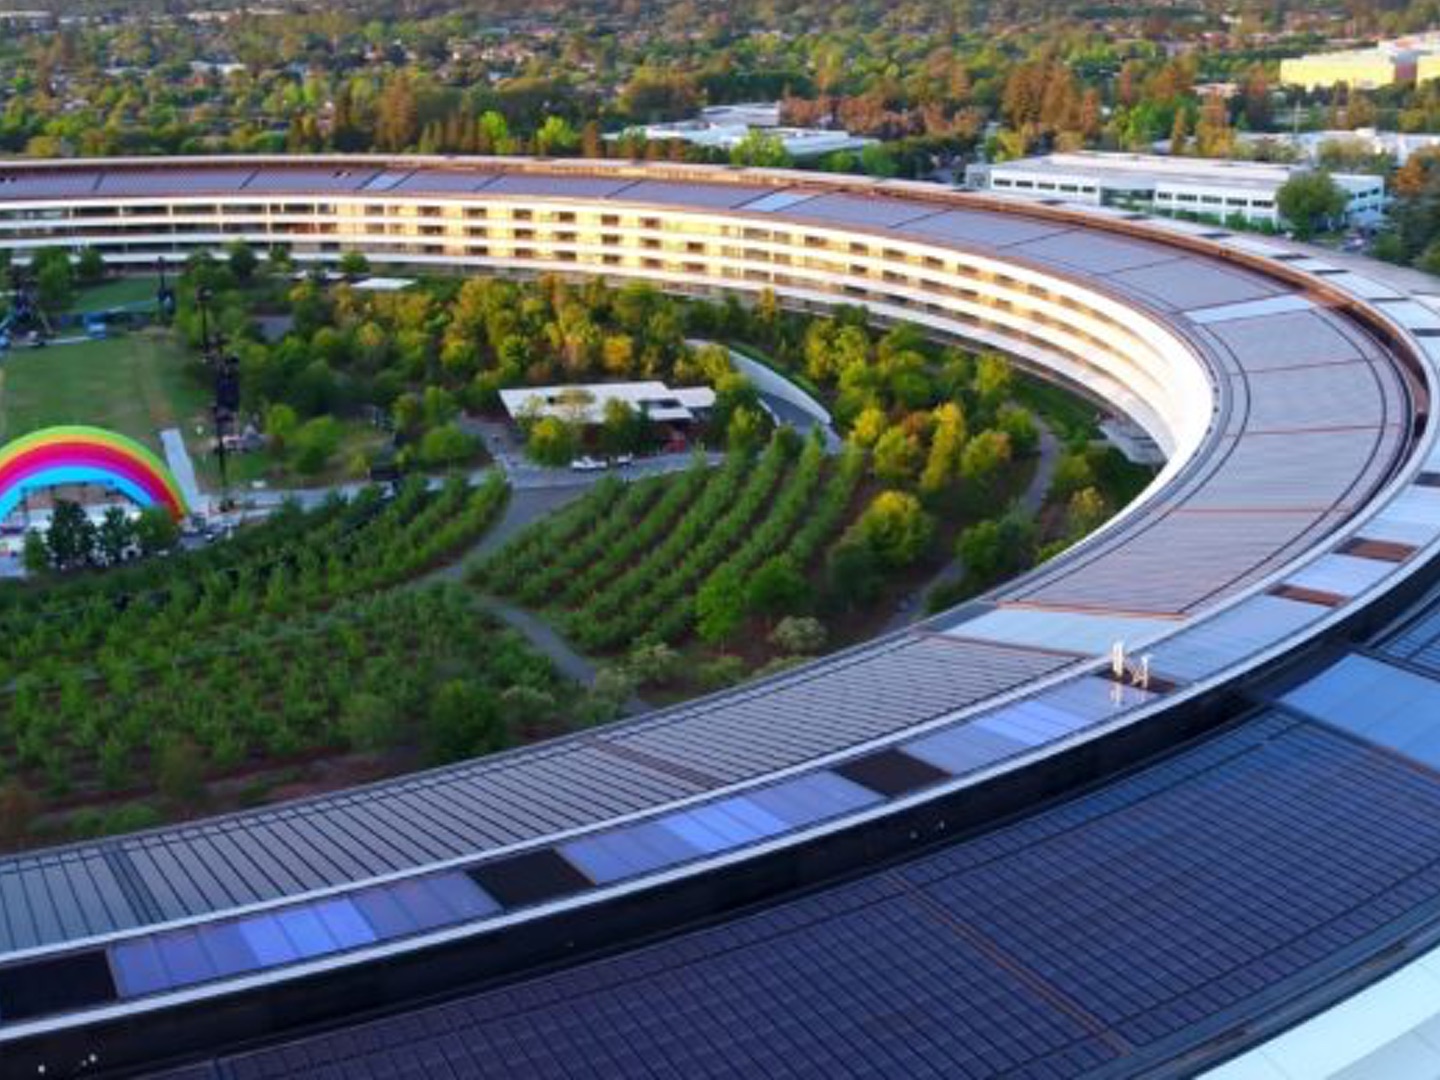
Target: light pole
(226,367)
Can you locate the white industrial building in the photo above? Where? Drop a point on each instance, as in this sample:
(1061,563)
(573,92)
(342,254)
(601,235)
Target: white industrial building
(724,127)
(1169,185)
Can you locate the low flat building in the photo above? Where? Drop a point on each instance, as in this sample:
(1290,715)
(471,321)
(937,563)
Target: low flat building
(727,134)
(755,114)
(585,404)
(1169,185)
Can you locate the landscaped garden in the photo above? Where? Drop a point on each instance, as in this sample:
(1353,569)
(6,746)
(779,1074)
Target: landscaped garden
(306,653)
(320,648)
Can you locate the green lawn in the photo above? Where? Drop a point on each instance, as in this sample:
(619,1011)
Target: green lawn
(118,292)
(132,383)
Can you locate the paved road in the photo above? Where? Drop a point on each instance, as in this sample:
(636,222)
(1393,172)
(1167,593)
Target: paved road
(912,608)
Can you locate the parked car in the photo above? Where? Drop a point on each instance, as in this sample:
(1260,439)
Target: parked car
(588,464)
(623,459)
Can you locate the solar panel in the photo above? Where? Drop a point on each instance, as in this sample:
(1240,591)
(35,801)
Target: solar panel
(42,987)
(529,878)
(891,772)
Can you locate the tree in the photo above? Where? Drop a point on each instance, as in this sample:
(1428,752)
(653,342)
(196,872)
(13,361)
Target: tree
(622,430)
(115,536)
(18,810)
(281,423)
(946,446)
(354,265)
(1086,513)
(853,573)
(180,770)
(243,261)
(54,279)
(36,554)
(155,530)
(552,442)
(556,136)
(464,720)
(996,548)
(1310,201)
(1072,472)
(896,456)
(1016,422)
(314,443)
(653,662)
(720,605)
(985,455)
(90,266)
(895,527)
(761,149)
(744,431)
(71,536)
(369,722)
(994,378)
(445,445)
(776,588)
(869,426)
(397,120)
(799,635)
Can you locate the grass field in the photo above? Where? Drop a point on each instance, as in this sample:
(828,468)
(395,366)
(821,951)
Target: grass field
(132,383)
(115,293)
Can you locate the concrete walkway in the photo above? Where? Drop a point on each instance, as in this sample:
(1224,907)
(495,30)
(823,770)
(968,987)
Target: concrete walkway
(912,608)
(178,458)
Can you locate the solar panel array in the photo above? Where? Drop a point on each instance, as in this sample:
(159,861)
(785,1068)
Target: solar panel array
(1085,935)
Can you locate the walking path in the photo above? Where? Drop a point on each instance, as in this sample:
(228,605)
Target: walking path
(178,458)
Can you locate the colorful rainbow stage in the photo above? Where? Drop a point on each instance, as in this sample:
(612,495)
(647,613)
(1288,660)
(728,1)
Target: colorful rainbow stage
(75,454)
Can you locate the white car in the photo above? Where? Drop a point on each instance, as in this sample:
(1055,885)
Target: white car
(587,464)
(623,459)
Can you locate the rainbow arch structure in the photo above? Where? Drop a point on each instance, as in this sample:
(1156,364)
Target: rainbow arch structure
(77,454)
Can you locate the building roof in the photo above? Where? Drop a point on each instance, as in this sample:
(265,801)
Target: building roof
(585,403)
(1148,171)
(1311,488)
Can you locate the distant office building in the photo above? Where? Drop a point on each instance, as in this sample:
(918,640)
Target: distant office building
(1361,69)
(1307,145)
(725,136)
(755,114)
(1168,185)
(1403,60)
(723,127)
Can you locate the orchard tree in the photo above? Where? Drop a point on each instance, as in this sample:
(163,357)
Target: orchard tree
(720,606)
(776,588)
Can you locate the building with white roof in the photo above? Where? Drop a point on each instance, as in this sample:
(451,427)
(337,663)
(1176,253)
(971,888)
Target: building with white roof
(727,131)
(585,404)
(1171,185)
